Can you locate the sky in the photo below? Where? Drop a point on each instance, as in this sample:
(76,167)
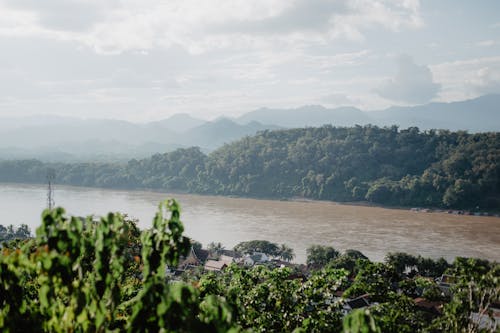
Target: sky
(145,60)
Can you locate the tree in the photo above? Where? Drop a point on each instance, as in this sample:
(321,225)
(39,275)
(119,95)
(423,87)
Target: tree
(430,267)
(402,262)
(399,314)
(355,254)
(73,277)
(196,245)
(272,300)
(319,255)
(10,232)
(360,321)
(375,279)
(286,253)
(262,246)
(476,289)
(215,249)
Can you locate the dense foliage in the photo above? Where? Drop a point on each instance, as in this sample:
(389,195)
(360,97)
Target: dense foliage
(87,275)
(10,232)
(381,165)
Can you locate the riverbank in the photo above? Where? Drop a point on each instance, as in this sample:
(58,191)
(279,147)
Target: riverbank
(373,230)
(425,210)
(285,199)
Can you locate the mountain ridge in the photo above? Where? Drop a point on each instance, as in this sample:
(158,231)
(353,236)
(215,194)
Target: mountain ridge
(67,136)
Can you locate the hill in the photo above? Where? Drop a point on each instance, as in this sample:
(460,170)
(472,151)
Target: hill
(66,139)
(381,165)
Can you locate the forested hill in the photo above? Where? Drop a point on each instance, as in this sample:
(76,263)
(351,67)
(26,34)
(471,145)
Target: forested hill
(382,165)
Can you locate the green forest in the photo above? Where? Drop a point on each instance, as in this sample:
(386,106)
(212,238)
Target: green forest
(88,275)
(389,166)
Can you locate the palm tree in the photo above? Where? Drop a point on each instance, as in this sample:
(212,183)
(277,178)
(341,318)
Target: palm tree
(215,249)
(286,253)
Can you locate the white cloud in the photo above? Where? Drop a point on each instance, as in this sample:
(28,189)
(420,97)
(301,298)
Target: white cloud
(70,15)
(412,84)
(338,99)
(468,78)
(487,43)
(391,15)
(112,26)
(229,56)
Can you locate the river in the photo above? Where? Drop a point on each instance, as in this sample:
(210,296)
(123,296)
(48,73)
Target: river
(372,230)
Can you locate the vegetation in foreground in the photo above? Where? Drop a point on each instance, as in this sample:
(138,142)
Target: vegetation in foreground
(84,275)
(388,166)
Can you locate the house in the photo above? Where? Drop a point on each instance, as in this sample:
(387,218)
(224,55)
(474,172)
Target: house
(358,303)
(227,259)
(445,282)
(215,265)
(195,258)
(355,303)
(282,264)
(436,308)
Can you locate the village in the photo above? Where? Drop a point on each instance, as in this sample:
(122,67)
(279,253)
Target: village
(430,297)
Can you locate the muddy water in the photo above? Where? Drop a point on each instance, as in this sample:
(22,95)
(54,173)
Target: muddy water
(374,231)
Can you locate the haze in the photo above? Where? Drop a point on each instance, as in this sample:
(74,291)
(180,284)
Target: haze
(148,60)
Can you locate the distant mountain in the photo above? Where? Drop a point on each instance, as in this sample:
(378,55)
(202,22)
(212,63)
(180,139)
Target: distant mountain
(311,115)
(66,138)
(214,134)
(476,115)
(481,114)
(180,122)
(78,130)
(73,139)
(13,123)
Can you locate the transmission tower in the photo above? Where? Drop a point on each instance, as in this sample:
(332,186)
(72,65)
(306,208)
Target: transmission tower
(51,175)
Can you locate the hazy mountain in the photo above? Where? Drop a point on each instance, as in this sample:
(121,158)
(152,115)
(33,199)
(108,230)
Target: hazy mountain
(475,115)
(65,138)
(73,139)
(223,130)
(179,122)
(311,115)
(12,153)
(75,131)
(41,120)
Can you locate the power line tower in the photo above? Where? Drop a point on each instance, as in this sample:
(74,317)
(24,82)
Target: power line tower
(51,176)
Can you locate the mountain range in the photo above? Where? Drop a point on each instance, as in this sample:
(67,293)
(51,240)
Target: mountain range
(57,138)
(481,114)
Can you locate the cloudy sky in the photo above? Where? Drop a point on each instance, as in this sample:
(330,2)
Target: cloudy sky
(144,60)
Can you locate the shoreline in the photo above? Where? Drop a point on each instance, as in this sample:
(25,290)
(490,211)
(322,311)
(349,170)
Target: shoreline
(290,199)
(374,230)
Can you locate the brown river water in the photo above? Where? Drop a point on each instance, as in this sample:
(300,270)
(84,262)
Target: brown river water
(372,230)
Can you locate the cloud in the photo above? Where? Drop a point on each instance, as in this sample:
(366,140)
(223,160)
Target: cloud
(412,84)
(304,15)
(487,43)
(113,26)
(338,99)
(329,20)
(487,81)
(65,15)
(468,78)
(215,56)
